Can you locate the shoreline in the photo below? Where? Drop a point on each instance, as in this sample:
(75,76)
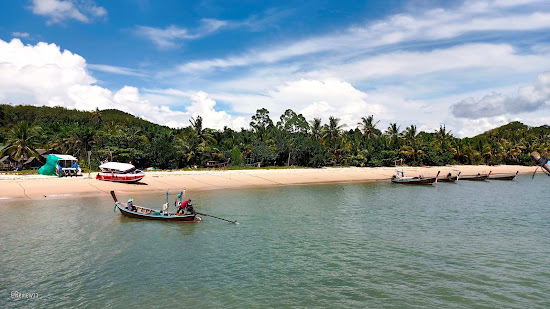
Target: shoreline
(40,187)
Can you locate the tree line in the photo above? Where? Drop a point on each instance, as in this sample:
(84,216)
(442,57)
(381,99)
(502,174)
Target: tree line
(290,140)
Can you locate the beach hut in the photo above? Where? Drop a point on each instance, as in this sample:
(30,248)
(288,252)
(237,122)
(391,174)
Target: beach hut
(31,163)
(7,163)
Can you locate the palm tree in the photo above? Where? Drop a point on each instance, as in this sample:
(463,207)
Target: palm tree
(96,116)
(393,133)
(315,127)
(199,141)
(81,139)
(202,134)
(412,146)
(333,130)
(21,141)
(368,127)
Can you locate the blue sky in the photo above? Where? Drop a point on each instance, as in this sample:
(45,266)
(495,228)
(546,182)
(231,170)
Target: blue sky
(471,65)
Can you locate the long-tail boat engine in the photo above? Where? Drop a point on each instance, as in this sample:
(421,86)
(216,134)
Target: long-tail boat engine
(541,162)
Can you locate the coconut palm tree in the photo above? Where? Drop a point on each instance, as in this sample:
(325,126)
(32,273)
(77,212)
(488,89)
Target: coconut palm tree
(393,133)
(316,127)
(368,127)
(96,116)
(333,130)
(21,142)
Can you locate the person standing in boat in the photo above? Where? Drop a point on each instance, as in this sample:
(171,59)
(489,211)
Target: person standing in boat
(185,205)
(131,205)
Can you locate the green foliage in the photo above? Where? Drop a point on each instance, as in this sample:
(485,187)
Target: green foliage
(236,157)
(118,136)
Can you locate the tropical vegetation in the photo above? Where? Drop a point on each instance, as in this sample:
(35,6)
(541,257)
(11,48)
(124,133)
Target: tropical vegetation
(290,140)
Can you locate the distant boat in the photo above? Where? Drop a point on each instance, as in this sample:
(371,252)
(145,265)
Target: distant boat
(503,177)
(449,178)
(119,172)
(414,180)
(477,177)
(151,214)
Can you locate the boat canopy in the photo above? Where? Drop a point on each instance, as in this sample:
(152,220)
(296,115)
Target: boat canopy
(116,166)
(66,157)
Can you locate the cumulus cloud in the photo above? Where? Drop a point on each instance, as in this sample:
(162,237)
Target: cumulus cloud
(529,98)
(44,75)
(203,105)
(58,10)
(310,97)
(473,127)
(172,36)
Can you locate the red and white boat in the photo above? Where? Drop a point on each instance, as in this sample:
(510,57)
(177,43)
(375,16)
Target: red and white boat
(119,172)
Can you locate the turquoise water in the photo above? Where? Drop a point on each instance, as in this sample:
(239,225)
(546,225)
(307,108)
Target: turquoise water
(354,245)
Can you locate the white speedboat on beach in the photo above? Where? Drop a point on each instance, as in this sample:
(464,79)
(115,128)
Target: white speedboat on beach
(119,172)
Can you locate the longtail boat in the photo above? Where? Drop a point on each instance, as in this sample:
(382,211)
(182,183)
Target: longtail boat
(477,177)
(414,180)
(503,177)
(140,212)
(119,172)
(449,178)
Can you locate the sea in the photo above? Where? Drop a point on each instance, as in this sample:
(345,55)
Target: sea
(345,245)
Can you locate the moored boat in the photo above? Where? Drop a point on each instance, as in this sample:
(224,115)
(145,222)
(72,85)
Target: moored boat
(503,177)
(119,172)
(140,212)
(413,180)
(449,178)
(477,177)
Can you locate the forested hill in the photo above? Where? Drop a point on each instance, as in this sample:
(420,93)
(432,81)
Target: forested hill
(289,139)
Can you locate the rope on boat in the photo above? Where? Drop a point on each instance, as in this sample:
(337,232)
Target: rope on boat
(200,213)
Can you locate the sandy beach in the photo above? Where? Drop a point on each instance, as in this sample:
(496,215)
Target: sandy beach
(37,187)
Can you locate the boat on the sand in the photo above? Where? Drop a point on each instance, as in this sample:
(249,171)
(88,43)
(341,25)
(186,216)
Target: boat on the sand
(413,180)
(119,172)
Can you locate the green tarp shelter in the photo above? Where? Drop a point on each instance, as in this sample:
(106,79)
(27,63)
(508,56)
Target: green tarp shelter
(49,167)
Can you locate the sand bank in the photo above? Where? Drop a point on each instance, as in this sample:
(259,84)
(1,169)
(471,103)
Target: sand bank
(37,187)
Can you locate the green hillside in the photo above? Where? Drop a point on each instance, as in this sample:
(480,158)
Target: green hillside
(292,139)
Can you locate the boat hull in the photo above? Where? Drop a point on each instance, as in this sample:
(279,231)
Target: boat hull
(450,179)
(419,181)
(171,217)
(510,177)
(475,178)
(120,177)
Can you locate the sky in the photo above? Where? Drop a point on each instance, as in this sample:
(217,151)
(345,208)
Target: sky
(469,65)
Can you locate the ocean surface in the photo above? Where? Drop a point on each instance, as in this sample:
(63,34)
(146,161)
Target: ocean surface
(353,245)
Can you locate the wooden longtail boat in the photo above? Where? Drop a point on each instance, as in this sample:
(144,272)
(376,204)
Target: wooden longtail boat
(449,178)
(119,172)
(477,177)
(414,180)
(151,214)
(503,177)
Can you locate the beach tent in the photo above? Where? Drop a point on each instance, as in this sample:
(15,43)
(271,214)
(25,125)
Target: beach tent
(49,167)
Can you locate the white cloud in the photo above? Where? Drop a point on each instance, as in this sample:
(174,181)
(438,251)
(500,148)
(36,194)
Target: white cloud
(20,34)
(115,70)
(432,25)
(58,10)
(172,36)
(473,127)
(203,105)
(529,98)
(44,75)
